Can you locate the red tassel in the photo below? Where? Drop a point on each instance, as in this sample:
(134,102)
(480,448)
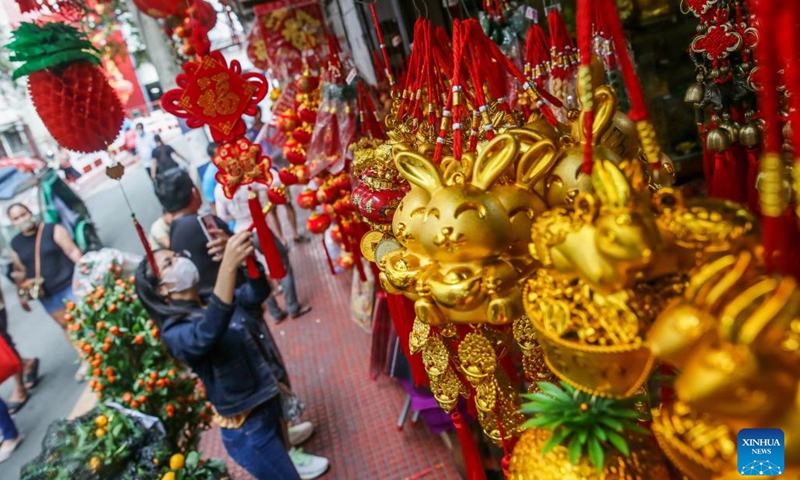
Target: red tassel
(252,268)
(328,256)
(472,458)
(265,239)
(151,259)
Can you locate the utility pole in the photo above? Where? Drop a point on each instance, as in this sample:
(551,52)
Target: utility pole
(158,47)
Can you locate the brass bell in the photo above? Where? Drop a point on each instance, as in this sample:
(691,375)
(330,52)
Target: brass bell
(750,135)
(732,128)
(787,130)
(694,94)
(718,140)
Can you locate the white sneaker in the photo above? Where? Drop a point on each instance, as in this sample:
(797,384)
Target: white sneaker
(308,466)
(8,447)
(300,433)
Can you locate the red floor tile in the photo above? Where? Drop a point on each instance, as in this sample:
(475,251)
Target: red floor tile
(327,355)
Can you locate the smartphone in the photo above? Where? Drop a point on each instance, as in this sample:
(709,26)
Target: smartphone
(208,224)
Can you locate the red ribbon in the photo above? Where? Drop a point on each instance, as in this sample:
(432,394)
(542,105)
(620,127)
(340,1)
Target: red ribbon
(265,238)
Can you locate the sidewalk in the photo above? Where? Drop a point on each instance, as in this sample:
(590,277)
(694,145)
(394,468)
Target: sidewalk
(327,355)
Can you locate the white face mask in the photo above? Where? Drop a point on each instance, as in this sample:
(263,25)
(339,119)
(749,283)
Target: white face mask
(182,276)
(27,225)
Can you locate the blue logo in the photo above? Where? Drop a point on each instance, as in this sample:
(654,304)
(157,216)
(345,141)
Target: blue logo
(760,452)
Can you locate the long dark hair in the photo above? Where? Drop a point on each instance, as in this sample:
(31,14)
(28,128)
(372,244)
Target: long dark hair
(157,305)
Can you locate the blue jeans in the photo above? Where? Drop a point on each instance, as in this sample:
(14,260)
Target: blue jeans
(55,302)
(289,289)
(258,445)
(6,424)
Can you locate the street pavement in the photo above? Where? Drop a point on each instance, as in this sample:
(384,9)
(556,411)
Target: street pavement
(36,334)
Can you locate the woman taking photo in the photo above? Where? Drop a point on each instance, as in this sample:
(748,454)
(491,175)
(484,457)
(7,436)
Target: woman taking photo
(225,341)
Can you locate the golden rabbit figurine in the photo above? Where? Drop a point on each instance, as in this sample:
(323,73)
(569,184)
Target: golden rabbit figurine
(465,231)
(735,337)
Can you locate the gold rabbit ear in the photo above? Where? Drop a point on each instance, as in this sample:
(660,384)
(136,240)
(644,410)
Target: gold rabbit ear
(419,171)
(495,158)
(610,184)
(535,163)
(775,313)
(525,135)
(605,106)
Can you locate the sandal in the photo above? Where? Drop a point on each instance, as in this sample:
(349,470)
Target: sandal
(14,407)
(31,379)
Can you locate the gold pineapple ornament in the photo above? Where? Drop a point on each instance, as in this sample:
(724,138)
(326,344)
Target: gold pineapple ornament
(576,436)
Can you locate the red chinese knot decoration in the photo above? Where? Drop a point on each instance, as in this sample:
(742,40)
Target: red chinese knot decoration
(241,163)
(212,93)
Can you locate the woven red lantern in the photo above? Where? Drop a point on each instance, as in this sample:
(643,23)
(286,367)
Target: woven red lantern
(317,223)
(277,195)
(303,177)
(336,234)
(307,83)
(302,134)
(287,122)
(307,114)
(307,199)
(287,176)
(161,8)
(211,92)
(327,193)
(71,94)
(346,261)
(294,152)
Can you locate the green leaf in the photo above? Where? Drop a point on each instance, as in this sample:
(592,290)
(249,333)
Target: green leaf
(598,432)
(619,443)
(636,428)
(612,423)
(191,460)
(629,414)
(596,454)
(555,440)
(117,429)
(575,449)
(538,422)
(583,435)
(553,391)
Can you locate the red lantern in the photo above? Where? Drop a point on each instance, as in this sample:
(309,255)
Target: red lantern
(343,206)
(307,199)
(376,206)
(287,122)
(302,135)
(204,14)
(317,223)
(287,176)
(327,193)
(277,195)
(346,261)
(336,235)
(161,8)
(294,152)
(307,114)
(302,174)
(307,83)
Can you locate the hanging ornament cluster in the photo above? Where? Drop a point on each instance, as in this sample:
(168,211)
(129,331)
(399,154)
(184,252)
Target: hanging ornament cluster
(187,21)
(724,98)
(71,94)
(296,119)
(286,36)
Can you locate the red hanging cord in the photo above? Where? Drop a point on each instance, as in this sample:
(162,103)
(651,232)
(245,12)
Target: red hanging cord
(387,67)
(585,91)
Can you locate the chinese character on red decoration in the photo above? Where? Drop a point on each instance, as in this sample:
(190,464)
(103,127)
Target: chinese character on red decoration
(241,163)
(211,92)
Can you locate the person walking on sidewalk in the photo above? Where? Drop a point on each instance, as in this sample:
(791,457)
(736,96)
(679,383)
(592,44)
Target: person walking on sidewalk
(11,436)
(25,379)
(163,160)
(226,343)
(44,257)
(237,210)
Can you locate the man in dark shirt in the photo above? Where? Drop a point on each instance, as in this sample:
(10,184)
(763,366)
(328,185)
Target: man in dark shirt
(163,160)
(181,200)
